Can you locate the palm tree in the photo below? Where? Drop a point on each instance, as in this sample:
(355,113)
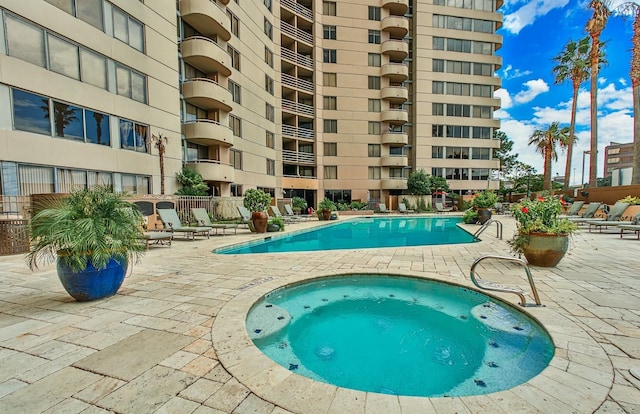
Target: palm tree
(545,141)
(572,64)
(595,26)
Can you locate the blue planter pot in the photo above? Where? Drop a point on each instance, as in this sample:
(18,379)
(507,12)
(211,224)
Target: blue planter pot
(91,283)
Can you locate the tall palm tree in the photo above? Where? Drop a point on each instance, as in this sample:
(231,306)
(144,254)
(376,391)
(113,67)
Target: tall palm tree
(595,26)
(572,64)
(545,141)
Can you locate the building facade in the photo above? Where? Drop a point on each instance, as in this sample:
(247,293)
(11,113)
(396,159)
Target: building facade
(618,163)
(342,99)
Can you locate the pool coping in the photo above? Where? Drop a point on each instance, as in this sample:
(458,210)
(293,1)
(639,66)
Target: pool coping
(564,378)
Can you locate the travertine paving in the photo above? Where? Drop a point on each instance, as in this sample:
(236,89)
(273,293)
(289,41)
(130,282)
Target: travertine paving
(173,340)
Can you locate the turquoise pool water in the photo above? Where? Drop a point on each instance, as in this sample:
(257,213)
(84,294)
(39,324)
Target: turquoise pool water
(399,335)
(363,233)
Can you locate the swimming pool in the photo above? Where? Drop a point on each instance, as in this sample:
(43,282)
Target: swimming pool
(363,233)
(399,335)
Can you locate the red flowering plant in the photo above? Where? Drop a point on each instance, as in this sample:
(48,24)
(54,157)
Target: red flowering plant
(538,216)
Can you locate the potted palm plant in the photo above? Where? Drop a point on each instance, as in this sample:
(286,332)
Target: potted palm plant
(325,207)
(541,236)
(93,235)
(257,202)
(299,204)
(483,202)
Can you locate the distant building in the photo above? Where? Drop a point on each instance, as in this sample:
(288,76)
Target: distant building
(618,163)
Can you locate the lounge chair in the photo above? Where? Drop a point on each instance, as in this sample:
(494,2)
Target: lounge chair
(633,225)
(202,217)
(612,218)
(440,208)
(382,207)
(172,223)
(156,237)
(573,210)
(588,213)
(276,212)
(402,208)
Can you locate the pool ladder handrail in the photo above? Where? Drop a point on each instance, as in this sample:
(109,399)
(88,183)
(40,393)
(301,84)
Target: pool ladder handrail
(486,225)
(496,287)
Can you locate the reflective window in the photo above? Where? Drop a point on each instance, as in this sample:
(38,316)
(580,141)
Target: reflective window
(31,112)
(25,41)
(133,136)
(66,5)
(97,127)
(94,69)
(63,57)
(67,121)
(91,12)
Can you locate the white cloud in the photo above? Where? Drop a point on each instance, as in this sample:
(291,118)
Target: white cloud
(532,89)
(505,99)
(527,14)
(517,73)
(622,81)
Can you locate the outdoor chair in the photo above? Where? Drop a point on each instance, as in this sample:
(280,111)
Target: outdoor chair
(402,208)
(382,208)
(573,210)
(289,213)
(588,213)
(612,218)
(202,217)
(632,225)
(276,212)
(172,223)
(440,208)
(157,237)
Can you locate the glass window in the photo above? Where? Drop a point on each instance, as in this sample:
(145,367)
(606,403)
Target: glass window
(70,180)
(31,112)
(374,37)
(120,25)
(97,127)
(271,167)
(373,150)
(438,65)
(330,172)
(375,59)
(437,87)
(94,69)
(35,180)
(270,112)
(437,152)
(329,32)
(479,174)
(235,124)
(438,43)
(270,139)
(329,8)
(91,12)
(437,109)
(63,57)
(138,87)
(481,154)
(236,159)
(133,136)
(234,88)
(437,131)
(268,28)
(235,57)
(268,56)
(268,84)
(330,126)
(329,56)
(329,79)
(374,82)
(374,173)
(67,121)
(375,105)
(25,41)
(330,103)
(136,35)
(375,128)
(330,149)
(66,5)
(141,135)
(374,13)
(123,81)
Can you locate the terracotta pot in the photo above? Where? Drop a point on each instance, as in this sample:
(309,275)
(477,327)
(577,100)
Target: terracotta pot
(326,214)
(484,214)
(260,220)
(546,250)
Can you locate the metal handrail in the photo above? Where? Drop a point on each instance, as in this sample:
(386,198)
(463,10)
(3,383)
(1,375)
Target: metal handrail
(486,225)
(500,288)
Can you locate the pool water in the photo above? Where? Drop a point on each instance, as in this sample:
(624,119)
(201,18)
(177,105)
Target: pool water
(363,233)
(399,335)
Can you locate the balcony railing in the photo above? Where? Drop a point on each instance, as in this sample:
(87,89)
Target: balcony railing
(297,83)
(295,132)
(291,106)
(298,157)
(296,58)
(297,8)
(296,33)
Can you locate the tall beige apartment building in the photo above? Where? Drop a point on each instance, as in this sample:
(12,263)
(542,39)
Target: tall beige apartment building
(305,98)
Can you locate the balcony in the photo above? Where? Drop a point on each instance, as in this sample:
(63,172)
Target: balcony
(395,94)
(395,138)
(207,132)
(396,26)
(296,33)
(397,7)
(395,116)
(296,83)
(393,184)
(396,72)
(397,50)
(206,55)
(298,108)
(296,157)
(295,132)
(297,58)
(394,161)
(206,17)
(206,94)
(213,170)
(297,8)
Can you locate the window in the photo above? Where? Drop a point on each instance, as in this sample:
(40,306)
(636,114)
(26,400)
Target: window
(482,112)
(437,172)
(374,13)
(270,112)
(374,194)
(270,139)
(375,105)
(396,173)
(97,127)
(91,12)
(268,56)
(375,128)
(481,154)
(128,30)
(330,149)
(268,84)
(375,59)
(235,23)
(482,69)
(457,131)
(437,131)
(482,90)
(454,66)
(374,173)
(268,28)
(330,103)
(131,84)
(483,26)
(329,32)
(479,174)
(235,90)
(235,57)
(459,45)
(458,110)
(483,48)
(438,65)
(136,184)
(437,87)
(329,8)
(330,172)
(330,126)
(67,121)
(329,79)
(481,132)
(374,37)
(31,112)
(438,43)
(93,69)
(457,173)
(373,150)
(236,159)
(374,82)
(193,113)
(25,41)
(271,167)
(396,151)
(235,124)
(437,109)
(268,4)
(196,152)
(66,5)
(133,136)
(461,89)
(63,57)
(437,152)
(458,153)
(329,56)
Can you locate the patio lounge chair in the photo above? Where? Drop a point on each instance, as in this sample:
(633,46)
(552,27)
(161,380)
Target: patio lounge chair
(612,218)
(633,225)
(172,223)
(402,208)
(383,208)
(202,217)
(156,237)
(573,210)
(588,213)
(440,208)
(290,213)
(276,212)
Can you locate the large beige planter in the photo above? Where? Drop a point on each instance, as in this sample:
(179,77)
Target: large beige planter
(545,250)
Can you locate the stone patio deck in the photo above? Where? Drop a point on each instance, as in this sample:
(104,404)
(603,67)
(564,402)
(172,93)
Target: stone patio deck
(173,341)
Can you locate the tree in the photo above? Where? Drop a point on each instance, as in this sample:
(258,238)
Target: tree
(524,180)
(572,64)
(503,154)
(421,183)
(545,141)
(594,27)
(192,183)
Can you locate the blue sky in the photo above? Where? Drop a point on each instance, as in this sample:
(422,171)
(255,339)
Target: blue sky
(533,33)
